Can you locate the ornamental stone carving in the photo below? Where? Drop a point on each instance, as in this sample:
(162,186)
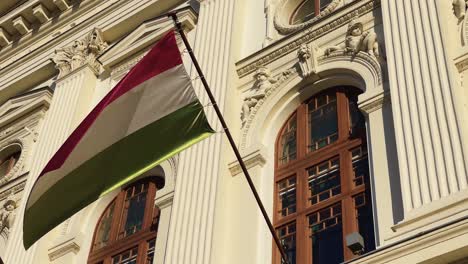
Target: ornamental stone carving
(459,8)
(7,215)
(81,52)
(357,40)
(263,83)
(307,55)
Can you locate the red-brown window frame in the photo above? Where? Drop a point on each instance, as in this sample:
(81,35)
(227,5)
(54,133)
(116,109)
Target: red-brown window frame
(306,159)
(139,238)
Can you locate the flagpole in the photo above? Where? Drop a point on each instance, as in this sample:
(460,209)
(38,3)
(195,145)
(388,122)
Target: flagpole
(178,25)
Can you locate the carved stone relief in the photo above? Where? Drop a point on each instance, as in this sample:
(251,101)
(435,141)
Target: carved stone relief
(8,215)
(263,83)
(459,8)
(307,55)
(81,52)
(10,202)
(357,40)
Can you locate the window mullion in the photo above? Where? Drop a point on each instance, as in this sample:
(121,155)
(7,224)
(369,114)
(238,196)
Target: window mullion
(317,7)
(115,226)
(301,134)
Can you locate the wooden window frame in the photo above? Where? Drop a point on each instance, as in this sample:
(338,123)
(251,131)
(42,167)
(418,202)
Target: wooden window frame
(305,159)
(138,239)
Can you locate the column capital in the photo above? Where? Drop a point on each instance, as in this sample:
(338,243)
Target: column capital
(81,52)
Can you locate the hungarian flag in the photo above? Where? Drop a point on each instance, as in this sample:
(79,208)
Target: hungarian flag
(149,116)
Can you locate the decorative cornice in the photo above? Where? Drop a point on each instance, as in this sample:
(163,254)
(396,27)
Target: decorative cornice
(13,190)
(288,44)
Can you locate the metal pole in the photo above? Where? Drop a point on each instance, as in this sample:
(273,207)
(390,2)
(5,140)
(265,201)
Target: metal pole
(228,134)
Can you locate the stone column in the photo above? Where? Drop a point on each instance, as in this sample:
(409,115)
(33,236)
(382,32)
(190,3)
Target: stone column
(70,103)
(428,130)
(190,233)
(385,183)
(164,204)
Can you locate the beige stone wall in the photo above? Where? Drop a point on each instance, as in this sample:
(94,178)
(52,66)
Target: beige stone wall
(414,99)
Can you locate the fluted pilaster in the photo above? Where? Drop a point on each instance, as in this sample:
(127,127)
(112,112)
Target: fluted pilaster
(190,234)
(70,103)
(428,132)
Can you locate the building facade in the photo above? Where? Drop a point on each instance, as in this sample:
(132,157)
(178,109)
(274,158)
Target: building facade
(350,116)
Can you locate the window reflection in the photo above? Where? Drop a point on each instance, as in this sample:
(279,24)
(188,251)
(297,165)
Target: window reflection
(323,121)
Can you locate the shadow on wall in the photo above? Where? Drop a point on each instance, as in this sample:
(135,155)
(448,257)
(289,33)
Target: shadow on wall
(395,186)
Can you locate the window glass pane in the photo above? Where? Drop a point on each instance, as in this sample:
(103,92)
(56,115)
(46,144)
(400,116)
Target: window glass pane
(150,253)
(360,166)
(304,12)
(287,236)
(288,142)
(326,233)
(358,126)
(365,220)
(324,181)
(323,121)
(103,232)
(135,202)
(324,4)
(287,196)
(127,257)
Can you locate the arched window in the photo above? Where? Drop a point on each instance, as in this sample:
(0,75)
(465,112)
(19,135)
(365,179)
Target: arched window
(8,159)
(308,9)
(126,232)
(322,191)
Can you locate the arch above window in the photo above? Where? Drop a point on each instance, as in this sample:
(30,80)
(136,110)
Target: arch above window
(322,195)
(127,230)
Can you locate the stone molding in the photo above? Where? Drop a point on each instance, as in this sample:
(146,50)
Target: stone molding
(253,159)
(280,80)
(375,103)
(290,44)
(370,61)
(81,52)
(70,245)
(462,63)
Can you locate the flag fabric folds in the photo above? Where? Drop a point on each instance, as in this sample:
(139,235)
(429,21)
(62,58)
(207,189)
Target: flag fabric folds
(149,116)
